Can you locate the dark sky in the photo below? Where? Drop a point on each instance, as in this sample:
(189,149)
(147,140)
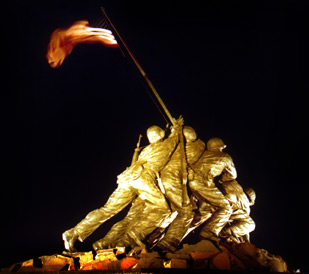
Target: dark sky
(233,69)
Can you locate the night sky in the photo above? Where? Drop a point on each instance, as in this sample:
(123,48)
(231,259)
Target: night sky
(233,69)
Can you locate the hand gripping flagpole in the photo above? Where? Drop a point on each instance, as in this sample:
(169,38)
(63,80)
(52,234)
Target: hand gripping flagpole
(185,196)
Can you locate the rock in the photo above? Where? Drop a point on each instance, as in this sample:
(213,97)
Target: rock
(246,253)
(84,257)
(95,265)
(273,262)
(115,265)
(221,261)
(56,262)
(27,263)
(128,262)
(119,250)
(202,255)
(176,263)
(254,258)
(203,245)
(21,267)
(184,253)
(183,256)
(150,263)
(199,255)
(145,254)
(106,254)
(236,264)
(247,248)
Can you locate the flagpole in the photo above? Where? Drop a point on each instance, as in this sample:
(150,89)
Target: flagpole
(151,86)
(184,175)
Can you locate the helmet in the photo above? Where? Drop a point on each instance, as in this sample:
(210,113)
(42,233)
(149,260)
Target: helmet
(215,144)
(155,133)
(251,195)
(189,133)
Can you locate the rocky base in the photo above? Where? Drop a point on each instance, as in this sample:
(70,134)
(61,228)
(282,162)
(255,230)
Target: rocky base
(203,255)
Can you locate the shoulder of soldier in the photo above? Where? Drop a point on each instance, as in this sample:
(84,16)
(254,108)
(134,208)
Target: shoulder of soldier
(226,155)
(196,144)
(200,142)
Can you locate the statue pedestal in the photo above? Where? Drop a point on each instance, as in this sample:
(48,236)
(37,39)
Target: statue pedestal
(195,258)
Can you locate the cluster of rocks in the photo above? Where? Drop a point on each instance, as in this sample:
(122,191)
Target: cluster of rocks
(202,255)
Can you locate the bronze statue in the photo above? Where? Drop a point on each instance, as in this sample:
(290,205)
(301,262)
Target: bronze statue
(156,182)
(213,163)
(172,182)
(240,223)
(194,146)
(139,180)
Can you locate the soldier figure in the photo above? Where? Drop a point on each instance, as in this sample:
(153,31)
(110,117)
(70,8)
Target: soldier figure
(212,163)
(139,180)
(172,181)
(240,223)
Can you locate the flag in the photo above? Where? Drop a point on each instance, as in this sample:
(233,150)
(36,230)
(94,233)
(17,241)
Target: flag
(63,41)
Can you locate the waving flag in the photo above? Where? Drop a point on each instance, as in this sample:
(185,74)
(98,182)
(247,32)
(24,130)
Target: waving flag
(63,41)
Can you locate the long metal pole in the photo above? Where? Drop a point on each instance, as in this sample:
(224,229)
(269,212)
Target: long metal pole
(185,197)
(153,89)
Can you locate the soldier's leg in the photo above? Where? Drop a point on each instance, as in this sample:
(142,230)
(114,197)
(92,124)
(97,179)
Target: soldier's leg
(118,200)
(178,228)
(117,234)
(223,209)
(156,209)
(204,213)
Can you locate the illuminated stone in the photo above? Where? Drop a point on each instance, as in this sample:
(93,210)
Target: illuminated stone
(95,265)
(200,264)
(27,263)
(203,245)
(176,263)
(128,262)
(150,263)
(272,262)
(236,263)
(119,250)
(182,256)
(203,255)
(145,254)
(56,262)
(115,265)
(84,257)
(106,254)
(222,261)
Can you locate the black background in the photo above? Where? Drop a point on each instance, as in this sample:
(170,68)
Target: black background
(233,69)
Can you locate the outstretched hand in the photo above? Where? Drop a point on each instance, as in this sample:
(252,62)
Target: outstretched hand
(179,122)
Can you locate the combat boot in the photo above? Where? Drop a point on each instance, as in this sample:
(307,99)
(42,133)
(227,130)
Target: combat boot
(69,237)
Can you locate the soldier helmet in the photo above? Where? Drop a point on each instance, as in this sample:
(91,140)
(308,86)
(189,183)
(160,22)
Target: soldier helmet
(155,133)
(215,144)
(251,195)
(189,133)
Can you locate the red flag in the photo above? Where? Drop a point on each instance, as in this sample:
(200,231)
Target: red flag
(62,41)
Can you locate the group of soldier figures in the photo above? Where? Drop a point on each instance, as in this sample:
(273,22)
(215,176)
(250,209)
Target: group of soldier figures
(153,185)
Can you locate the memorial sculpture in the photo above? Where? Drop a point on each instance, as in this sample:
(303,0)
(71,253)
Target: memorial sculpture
(156,186)
(136,181)
(152,184)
